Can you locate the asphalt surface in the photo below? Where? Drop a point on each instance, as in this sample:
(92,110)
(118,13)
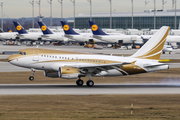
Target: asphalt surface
(71,89)
(7,67)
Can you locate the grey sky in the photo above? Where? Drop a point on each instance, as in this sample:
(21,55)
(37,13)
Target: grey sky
(22,8)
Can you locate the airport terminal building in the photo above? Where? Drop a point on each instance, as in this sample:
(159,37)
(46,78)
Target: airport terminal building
(123,20)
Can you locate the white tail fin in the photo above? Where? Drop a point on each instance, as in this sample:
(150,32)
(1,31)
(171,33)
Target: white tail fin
(152,49)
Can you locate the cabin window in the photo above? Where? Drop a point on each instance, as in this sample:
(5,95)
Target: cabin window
(99,61)
(93,61)
(96,60)
(65,57)
(104,61)
(59,57)
(24,53)
(62,57)
(55,56)
(90,60)
(44,55)
(82,59)
(72,59)
(52,56)
(47,55)
(41,55)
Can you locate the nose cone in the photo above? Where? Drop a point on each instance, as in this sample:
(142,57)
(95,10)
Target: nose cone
(12,57)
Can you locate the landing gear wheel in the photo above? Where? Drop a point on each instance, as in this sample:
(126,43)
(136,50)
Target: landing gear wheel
(79,82)
(90,83)
(31,78)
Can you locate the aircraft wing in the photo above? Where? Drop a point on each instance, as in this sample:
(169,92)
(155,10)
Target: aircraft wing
(97,69)
(101,65)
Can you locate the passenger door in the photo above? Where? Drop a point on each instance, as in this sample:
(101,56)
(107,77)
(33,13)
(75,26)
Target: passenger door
(35,55)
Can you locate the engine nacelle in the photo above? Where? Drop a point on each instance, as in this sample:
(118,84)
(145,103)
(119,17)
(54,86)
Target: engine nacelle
(52,74)
(64,72)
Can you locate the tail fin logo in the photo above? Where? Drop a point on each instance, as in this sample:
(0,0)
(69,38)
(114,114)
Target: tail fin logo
(43,28)
(18,27)
(66,27)
(9,31)
(94,27)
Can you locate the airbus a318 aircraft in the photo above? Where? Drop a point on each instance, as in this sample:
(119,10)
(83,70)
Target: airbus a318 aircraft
(81,37)
(114,38)
(49,34)
(71,65)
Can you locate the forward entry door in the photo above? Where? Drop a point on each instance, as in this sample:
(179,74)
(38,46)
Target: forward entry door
(36,55)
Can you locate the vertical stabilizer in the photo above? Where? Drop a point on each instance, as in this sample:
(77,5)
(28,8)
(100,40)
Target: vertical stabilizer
(152,49)
(19,28)
(44,28)
(67,29)
(96,30)
(9,30)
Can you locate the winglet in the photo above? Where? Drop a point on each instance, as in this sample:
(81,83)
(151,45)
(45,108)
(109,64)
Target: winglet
(96,30)
(67,29)
(44,28)
(19,28)
(152,49)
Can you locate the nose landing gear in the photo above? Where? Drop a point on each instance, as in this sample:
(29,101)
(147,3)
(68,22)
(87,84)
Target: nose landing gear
(31,78)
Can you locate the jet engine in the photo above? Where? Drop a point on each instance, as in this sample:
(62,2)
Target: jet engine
(64,72)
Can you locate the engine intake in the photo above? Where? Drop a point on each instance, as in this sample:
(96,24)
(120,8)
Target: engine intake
(64,72)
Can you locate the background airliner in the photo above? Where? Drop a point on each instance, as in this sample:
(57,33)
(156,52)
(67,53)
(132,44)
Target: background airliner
(114,38)
(23,34)
(71,65)
(81,37)
(47,33)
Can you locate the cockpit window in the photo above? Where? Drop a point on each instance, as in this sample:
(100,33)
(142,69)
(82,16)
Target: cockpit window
(22,53)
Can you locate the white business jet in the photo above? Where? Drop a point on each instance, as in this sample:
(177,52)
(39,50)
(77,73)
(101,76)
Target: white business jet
(72,65)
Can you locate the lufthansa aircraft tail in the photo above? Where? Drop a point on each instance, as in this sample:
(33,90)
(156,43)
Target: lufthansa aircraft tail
(9,30)
(95,29)
(19,28)
(44,28)
(67,29)
(152,49)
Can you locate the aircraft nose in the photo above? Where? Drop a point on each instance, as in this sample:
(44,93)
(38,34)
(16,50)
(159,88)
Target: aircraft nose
(12,57)
(9,58)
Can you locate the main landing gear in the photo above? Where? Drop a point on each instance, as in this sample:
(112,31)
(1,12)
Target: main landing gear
(89,83)
(31,78)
